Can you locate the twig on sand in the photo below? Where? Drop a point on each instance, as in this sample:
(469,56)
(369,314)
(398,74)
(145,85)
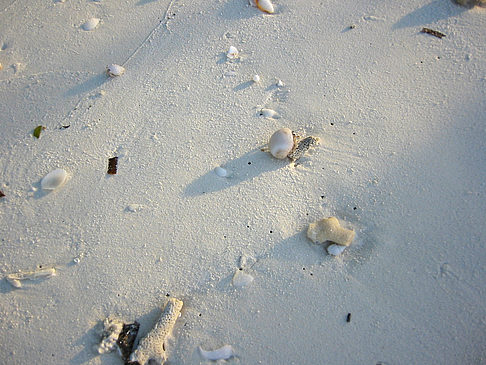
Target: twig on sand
(435,33)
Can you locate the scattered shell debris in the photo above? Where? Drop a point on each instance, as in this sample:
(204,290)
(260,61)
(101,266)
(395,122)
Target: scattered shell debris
(114,70)
(151,347)
(256,79)
(241,279)
(268,113)
(221,172)
(15,279)
(223,353)
(133,208)
(264,5)
(112,328)
(329,229)
(90,24)
(232,53)
(54,179)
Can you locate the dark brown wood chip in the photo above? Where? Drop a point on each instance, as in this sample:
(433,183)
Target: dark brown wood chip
(1,194)
(112,162)
(435,33)
(348,318)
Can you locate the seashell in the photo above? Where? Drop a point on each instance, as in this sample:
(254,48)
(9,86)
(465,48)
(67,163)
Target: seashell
(90,24)
(115,70)
(268,113)
(232,53)
(221,172)
(329,229)
(223,353)
(335,250)
(256,79)
(281,143)
(264,5)
(54,179)
(280,83)
(241,279)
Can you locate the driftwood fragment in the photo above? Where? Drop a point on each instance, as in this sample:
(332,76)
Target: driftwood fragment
(435,33)
(112,164)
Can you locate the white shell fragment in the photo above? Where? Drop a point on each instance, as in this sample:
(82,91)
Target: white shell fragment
(329,229)
(268,113)
(111,331)
(232,53)
(221,172)
(15,278)
(115,70)
(281,143)
(90,24)
(223,353)
(335,250)
(242,279)
(54,179)
(280,83)
(151,347)
(256,79)
(264,5)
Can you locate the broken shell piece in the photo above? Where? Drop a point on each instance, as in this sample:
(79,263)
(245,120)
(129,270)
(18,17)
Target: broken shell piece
(223,353)
(54,179)
(232,53)
(221,172)
(281,143)
(115,70)
(264,5)
(335,250)
(90,24)
(329,229)
(256,79)
(242,279)
(280,83)
(15,278)
(268,113)
(151,347)
(112,328)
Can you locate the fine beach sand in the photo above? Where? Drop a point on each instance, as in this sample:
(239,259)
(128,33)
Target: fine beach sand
(401,117)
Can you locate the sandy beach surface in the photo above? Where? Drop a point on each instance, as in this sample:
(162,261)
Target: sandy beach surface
(401,117)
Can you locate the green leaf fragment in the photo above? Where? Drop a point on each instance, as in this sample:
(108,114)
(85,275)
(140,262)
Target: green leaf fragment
(38,130)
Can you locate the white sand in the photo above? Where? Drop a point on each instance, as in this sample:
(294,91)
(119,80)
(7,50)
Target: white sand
(401,116)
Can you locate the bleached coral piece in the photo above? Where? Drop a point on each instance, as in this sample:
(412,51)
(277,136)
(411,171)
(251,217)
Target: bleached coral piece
(329,229)
(15,278)
(151,347)
(111,331)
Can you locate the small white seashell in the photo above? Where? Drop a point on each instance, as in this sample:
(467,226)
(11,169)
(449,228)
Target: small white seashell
(281,143)
(221,172)
(280,83)
(256,79)
(335,250)
(241,279)
(268,113)
(264,5)
(91,24)
(54,179)
(115,70)
(232,53)
(223,353)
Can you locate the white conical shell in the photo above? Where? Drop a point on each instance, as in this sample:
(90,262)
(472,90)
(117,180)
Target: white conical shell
(281,143)
(115,70)
(54,179)
(91,24)
(265,6)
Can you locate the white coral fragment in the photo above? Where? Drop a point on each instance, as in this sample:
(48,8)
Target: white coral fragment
(111,331)
(151,347)
(15,279)
(329,229)
(223,353)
